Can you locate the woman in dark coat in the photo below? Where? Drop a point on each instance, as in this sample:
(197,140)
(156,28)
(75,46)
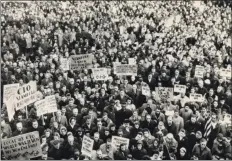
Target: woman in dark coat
(122,153)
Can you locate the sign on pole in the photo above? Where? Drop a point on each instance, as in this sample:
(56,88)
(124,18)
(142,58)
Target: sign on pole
(146,91)
(131,61)
(24,146)
(180,88)
(125,69)
(47,105)
(79,62)
(225,73)
(164,93)
(196,97)
(100,73)
(64,63)
(117,141)
(87,146)
(26,95)
(9,90)
(199,71)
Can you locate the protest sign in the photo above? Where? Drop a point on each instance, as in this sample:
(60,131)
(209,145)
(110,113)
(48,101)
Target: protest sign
(196,97)
(51,103)
(199,71)
(146,91)
(64,63)
(180,88)
(26,95)
(131,61)
(117,141)
(24,146)
(100,73)
(125,69)
(47,105)
(87,146)
(41,107)
(225,73)
(79,62)
(9,90)
(164,93)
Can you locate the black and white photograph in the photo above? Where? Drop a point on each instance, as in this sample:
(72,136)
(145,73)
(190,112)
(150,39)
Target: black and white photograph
(116,80)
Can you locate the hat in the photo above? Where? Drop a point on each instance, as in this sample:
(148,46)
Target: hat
(220,136)
(56,142)
(140,133)
(126,121)
(107,129)
(139,142)
(79,129)
(136,122)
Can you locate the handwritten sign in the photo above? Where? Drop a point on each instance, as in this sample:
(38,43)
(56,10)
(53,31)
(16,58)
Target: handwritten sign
(79,62)
(199,71)
(64,64)
(47,105)
(196,97)
(87,146)
(225,73)
(125,69)
(164,93)
(146,91)
(179,88)
(131,61)
(24,146)
(9,90)
(100,73)
(26,95)
(117,141)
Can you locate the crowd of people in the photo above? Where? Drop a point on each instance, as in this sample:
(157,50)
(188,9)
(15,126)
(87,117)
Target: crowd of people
(166,38)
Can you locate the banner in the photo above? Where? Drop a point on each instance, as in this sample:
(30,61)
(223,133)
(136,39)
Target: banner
(199,71)
(117,141)
(164,93)
(180,88)
(146,91)
(100,73)
(131,61)
(225,73)
(26,95)
(79,62)
(126,69)
(196,97)
(87,146)
(47,105)
(22,147)
(9,90)
(64,64)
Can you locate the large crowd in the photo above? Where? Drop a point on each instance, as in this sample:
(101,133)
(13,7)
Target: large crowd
(166,38)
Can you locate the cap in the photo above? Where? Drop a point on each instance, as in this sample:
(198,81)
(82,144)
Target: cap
(139,142)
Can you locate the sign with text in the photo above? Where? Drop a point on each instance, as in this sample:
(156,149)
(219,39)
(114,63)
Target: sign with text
(64,63)
(225,73)
(47,105)
(100,73)
(164,93)
(131,61)
(126,69)
(146,91)
(180,88)
(9,90)
(79,62)
(196,97)
(24,146)
(26,95)
(87,146)
(117,141)
(199,71)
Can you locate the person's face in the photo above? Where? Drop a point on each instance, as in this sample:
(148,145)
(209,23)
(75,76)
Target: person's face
(193,119)
(47,134)
(99,124)
(182,153)
(146,134)
(122,93)
(123,148)
(148,118)
(96,137)
(215,104)
(58,113)
(139,146)
(55,124)
(35,124)
(169,121)
(107,133)
(214,118)
(19,127)
(112,128)
(44,157)
(203,145)
(44,140)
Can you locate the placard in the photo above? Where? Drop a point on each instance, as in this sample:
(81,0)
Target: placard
(87,146)
(125,69)
(26,95)
(24,146)
(117,141)
(196,97)
(225,73)
(64,64)
(199,71)
(9,90)
(100,73)
(180,88)
(164,93)
(131,61)
(79,62)
(47,105)
(146,91)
